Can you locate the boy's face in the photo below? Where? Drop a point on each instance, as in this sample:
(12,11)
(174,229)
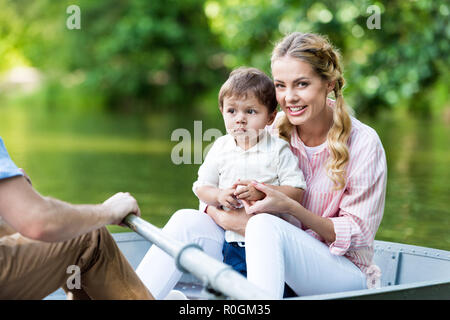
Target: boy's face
(245,117)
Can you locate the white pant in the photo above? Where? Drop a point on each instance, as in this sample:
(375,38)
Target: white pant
(276,252)
(157,269)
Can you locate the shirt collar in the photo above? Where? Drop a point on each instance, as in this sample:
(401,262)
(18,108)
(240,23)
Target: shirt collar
(262,145)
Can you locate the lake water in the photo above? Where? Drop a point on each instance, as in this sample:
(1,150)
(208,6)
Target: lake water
(85,158)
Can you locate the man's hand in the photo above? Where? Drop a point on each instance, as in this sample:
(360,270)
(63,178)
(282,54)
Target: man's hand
(119,206)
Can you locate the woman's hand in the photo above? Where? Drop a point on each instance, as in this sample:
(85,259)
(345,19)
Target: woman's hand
(234,220)
(277,202)
(273,202)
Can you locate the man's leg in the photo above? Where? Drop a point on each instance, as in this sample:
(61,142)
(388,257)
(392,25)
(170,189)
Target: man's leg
(108,275)
(32,269)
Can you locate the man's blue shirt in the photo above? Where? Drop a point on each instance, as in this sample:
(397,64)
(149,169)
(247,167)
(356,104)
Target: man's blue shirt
(7,167)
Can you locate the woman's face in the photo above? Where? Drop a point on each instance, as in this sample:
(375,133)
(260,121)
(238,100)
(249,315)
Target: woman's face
(301,92)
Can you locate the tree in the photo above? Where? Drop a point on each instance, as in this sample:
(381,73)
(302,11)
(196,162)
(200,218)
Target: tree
(138,54)
(404,60)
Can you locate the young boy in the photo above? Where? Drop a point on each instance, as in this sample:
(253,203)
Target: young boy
(247,152)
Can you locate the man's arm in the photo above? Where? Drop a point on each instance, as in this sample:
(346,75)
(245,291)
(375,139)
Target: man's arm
(48,219)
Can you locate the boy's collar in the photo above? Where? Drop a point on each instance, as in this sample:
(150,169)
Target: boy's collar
(261,145)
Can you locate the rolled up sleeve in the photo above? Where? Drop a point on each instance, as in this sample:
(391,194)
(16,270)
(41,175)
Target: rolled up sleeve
(7,167)
(362,205)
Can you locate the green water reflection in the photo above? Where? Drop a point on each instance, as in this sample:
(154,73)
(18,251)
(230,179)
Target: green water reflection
(86,158)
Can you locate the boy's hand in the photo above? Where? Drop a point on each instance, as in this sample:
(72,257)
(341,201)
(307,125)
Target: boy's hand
(227,199)
(246,191)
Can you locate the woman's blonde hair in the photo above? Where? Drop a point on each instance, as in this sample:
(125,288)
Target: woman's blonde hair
(325,61)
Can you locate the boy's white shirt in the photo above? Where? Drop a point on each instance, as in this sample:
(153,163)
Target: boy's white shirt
(270,161)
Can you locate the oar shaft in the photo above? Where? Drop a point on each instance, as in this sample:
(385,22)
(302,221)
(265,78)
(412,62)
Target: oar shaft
(153,234)
(192,259)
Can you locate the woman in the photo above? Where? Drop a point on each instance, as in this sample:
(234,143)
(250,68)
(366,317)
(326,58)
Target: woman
(345,168)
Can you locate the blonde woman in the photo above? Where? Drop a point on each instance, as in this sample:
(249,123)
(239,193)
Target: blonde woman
(344,165)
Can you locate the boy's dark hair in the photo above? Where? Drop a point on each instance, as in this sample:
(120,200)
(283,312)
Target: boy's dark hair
(244,80)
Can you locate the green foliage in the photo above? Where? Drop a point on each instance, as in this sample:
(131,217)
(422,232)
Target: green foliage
(138,54)
(400,62)
(154,55)
(150,53)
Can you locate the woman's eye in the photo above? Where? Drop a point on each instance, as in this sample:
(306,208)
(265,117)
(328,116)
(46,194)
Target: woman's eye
(278,85)
(303,84)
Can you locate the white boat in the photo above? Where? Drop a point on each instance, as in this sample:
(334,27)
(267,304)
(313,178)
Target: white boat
(408,272)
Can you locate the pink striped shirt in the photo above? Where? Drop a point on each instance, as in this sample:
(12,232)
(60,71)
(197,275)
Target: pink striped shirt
(357,209)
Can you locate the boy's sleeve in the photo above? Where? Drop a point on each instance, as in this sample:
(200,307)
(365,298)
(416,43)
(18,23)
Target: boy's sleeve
(289,172)
(208,173)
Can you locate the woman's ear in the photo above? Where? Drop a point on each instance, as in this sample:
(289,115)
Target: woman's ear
(330,86)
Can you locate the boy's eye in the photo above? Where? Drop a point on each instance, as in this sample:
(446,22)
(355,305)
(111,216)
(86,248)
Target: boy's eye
(230,110)
(251,111)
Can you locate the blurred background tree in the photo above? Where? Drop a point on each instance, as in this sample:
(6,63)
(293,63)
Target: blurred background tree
(90,112)
(406,60)
(138,55)
(135,54)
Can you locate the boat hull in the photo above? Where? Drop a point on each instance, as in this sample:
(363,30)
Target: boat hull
(408,272)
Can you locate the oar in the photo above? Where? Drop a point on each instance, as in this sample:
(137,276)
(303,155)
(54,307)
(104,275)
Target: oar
(190,258)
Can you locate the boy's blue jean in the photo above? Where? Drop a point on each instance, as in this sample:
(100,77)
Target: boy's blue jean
(234,255)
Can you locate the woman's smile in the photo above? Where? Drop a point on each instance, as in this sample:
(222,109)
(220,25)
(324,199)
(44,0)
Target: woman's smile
(296,110)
